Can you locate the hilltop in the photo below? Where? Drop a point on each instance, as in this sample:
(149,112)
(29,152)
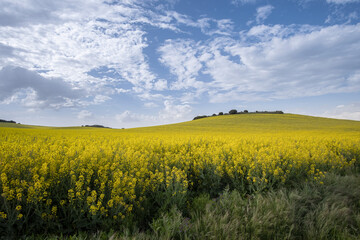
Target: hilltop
(258,123)
(234,111)
(6,121)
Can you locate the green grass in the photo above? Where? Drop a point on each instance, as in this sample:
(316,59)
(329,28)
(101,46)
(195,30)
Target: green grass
(266,123)
(239,123)
(15,125)
(309,211)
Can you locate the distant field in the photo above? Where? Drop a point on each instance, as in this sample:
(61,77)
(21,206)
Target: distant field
(260,123)
(244,123)
(76,178)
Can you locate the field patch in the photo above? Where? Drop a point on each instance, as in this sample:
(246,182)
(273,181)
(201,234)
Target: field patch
(70,179)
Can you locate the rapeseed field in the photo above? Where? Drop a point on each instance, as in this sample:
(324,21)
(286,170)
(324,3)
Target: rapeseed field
(66,179)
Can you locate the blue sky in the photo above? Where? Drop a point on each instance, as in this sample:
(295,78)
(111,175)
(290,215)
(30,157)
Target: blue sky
(135,63)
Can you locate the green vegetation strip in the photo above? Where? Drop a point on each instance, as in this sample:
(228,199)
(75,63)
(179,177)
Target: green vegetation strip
(307,211)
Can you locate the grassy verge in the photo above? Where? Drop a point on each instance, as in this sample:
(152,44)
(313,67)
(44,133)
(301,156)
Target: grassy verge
(310,210)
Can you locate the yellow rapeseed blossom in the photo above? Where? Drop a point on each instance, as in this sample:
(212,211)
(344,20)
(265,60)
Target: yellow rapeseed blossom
(3,215)
(112,173)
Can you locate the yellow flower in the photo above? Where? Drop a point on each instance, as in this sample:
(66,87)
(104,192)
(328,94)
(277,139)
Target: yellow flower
(54,210)
(18,207)
(3,215)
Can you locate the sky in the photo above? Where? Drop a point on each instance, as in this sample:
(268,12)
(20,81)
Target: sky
(133,63)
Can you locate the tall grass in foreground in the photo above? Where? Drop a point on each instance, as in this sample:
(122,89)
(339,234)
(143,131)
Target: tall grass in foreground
(308,211)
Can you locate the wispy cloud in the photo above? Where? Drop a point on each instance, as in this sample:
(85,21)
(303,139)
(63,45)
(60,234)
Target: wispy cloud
(342,1)
(263,13)
(242,2)
(180,57)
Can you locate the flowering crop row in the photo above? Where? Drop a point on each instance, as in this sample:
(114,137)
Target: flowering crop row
(68,179)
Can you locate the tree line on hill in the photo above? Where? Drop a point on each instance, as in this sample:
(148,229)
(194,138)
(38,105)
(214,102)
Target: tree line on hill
(234,111)
(5,121)
(95,125)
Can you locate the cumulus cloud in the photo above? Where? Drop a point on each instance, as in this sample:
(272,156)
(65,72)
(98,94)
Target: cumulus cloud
(76,39)
(83,114)
(322,61)
(263,13)
(160,85)
(69,40)
(127,117)
(173,111)
(103,48)
(283,63)
(17,83)
(170,113)
(72,50)
(351,111)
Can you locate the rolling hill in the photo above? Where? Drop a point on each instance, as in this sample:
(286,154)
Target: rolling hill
(235,124)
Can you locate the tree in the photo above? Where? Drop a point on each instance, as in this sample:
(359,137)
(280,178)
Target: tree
(221,113)
(233,111)
(199,117)
(246,111)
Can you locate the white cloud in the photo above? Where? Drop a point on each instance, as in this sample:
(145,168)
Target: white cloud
(74,42)
(222,26)
(64,48)
(100,99)
(174,112)
(338,16)
(32,90)
(306,64)
(208,26)
(127,117)
(70,39)
(242,2)
(262,13)
(170,113)
(160,85)
(283,63)
(150,105)
(83,114)
(121,90)
(342,1)
(180,57)
(263,33)
(351,111)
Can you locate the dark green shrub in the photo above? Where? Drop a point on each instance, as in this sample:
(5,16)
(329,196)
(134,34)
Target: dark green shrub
(233,111)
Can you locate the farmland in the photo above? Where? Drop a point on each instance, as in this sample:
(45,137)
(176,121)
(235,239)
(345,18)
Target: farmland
(64,180)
